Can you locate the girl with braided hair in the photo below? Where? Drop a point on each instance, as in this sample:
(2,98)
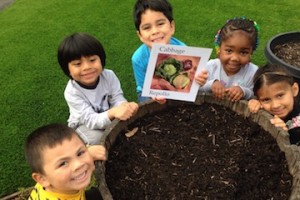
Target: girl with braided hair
(230,75)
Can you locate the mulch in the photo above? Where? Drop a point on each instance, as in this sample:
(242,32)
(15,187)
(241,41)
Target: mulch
(289,52)
(197,152)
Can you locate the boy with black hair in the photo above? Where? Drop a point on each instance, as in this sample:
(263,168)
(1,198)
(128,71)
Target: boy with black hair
(61,164)
(154,24)
(93,94)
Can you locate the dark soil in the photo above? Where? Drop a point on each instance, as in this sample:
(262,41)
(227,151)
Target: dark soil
(197,152)
(289,53)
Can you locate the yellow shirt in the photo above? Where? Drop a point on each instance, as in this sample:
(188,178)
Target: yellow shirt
(39,193)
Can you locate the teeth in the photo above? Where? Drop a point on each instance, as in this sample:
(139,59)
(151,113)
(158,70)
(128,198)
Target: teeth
(157,39)
(80,176)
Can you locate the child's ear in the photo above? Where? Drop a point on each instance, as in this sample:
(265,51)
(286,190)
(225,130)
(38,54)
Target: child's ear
(218,52)
(140,36)
(41,179)
(295,88)
(173,27)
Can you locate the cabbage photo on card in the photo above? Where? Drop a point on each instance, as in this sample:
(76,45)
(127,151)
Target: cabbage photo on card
(171,71)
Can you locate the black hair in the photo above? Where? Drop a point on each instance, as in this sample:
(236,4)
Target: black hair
(250,27)
(75,46)
(47,136)
(156,5)
(270,74)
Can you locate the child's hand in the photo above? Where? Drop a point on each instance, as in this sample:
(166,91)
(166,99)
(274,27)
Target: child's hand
(201,78)
(98,152)
(218,90)
(159,99)
(234,93)
(278,123)
(254,105)
(123,111)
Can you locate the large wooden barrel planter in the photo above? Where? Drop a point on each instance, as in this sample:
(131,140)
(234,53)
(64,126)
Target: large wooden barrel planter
(291,152)
(262,118)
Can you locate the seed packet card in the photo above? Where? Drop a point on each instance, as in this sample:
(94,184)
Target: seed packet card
(171,71)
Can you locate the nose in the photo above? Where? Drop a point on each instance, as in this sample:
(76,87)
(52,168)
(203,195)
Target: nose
(77,164)
(154,30)
(85,65)
(235,57)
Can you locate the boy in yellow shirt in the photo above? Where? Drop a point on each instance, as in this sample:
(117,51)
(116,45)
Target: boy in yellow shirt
(61,164)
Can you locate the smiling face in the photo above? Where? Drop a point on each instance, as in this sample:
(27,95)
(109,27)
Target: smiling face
(278,98)
(235,52)
(68,167)
(155,28)
(86,70)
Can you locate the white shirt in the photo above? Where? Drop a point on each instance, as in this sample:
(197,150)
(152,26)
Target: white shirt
(89,106)
(242,78)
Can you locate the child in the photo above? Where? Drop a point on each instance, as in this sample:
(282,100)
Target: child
(232,72)
(276,92)
(61,164)
(154,24)
(93,94)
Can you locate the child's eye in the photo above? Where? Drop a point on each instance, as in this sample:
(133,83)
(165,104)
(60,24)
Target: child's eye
(63,163)
(244,53)
(264,101)
(280,95)
(92,59)
(161,22)
(76,63)
(82,152)
(145,28)
(228,50)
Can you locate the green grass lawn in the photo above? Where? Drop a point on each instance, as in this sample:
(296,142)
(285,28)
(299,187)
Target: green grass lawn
(32,83)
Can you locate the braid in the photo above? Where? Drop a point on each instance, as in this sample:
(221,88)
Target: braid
(244,24)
